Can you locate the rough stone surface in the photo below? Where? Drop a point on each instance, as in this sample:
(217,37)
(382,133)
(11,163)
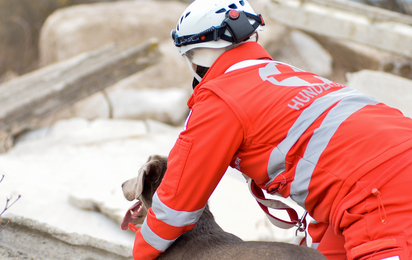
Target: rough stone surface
(27,99)
(390,89)
(81,28)
(304,52)
(122,23)
(20,23)
(170,106)
(171,72)
(273,36)
(127,98)
(348,20)
(350,56)
(29,239)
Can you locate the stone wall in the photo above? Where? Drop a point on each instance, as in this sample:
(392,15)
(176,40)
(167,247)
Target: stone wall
(20,24)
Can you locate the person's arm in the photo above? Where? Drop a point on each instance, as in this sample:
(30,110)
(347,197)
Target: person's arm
(196,164)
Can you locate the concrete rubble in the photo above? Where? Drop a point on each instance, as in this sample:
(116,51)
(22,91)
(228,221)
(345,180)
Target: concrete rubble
(390,89)
(27,99)
(348,20)
(29,239)
(70,166)
(20,24)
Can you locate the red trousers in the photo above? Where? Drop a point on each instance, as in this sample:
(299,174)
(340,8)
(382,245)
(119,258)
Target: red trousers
(380,225)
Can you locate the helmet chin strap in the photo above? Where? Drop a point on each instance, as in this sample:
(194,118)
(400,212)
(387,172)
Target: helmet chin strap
(197,77)
(205,57)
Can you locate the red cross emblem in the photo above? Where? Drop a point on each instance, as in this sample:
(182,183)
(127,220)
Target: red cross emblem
(288,76)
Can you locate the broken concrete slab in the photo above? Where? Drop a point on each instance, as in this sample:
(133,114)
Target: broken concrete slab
(390,89)
(82,28)
(25,238)
(302,50)
(351,56)
(20,23)
(347,20)
(28,99)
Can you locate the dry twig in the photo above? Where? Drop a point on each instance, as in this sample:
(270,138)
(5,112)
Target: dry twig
(9,203)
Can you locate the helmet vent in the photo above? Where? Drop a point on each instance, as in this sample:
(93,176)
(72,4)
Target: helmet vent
(242,3)
(233,6)
(220,11)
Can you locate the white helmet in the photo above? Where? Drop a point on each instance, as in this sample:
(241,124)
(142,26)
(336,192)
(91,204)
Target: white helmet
(215,24)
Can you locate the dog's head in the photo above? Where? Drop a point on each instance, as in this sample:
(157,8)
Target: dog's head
(142,189)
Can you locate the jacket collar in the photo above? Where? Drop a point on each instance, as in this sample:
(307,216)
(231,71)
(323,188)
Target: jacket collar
(246,51)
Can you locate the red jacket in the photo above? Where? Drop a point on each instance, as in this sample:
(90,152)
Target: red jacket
(293,132)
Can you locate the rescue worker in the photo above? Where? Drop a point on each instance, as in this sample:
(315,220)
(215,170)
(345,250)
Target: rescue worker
(343,156)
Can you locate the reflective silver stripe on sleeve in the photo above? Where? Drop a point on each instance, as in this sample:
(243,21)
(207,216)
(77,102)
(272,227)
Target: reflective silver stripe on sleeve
(153,239)
(174,217)
(320,140)
(276,164)
(169,216)
(314,245)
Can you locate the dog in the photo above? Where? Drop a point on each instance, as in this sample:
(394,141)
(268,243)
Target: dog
(207,240)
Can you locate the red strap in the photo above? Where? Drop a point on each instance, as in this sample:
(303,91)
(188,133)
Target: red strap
(259,194)
(133,227)
(265,204)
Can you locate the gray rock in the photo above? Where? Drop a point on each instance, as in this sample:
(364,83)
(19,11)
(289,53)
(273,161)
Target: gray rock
(304,52)
(20,23)
(390,89)
(26,100)
(29,239)
(81,28)
(350,56)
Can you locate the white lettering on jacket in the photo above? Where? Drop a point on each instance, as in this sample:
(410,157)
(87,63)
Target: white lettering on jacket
(285,75)
(306,95)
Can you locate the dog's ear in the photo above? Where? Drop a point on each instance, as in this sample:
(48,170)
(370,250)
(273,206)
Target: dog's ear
(133,188)
(148,179)
(150,174)
(155,169)
(140,182)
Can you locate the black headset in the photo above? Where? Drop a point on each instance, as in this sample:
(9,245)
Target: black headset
(236,22)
